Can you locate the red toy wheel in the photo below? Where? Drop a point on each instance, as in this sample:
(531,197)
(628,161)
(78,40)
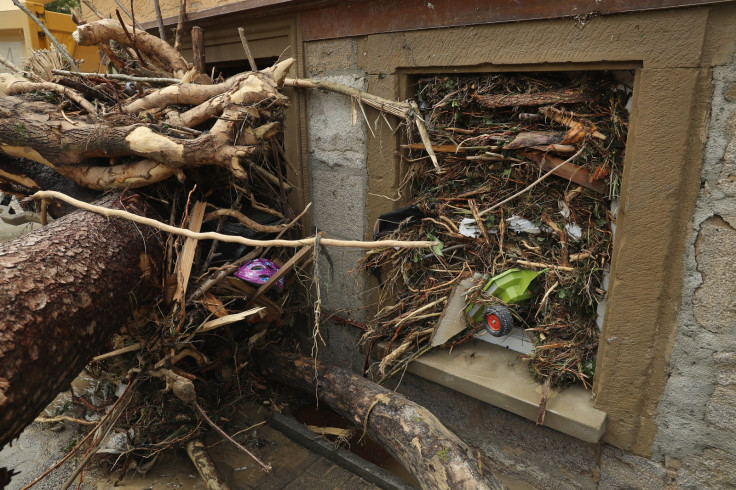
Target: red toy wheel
(498,320)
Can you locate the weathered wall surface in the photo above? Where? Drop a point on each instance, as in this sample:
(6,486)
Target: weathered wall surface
(697,413)
(667,367)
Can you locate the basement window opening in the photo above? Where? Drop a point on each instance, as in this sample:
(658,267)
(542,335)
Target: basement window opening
(523,201)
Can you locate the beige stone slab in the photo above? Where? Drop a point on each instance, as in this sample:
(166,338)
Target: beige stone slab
(498,377)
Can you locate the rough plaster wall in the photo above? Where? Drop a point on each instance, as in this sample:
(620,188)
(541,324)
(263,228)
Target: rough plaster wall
(337,159)
(697,412)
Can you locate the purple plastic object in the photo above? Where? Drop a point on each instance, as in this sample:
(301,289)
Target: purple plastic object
(259,271)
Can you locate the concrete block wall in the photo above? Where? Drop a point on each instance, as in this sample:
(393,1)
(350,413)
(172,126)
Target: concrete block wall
(337,139)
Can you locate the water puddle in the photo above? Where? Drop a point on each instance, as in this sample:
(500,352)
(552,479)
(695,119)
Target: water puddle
(367,449)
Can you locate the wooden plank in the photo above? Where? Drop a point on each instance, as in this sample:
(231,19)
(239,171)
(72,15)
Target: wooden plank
(198,50)
(186,258)
(569,171)
(227,320)
(452,320)
(497,376)
(325,19)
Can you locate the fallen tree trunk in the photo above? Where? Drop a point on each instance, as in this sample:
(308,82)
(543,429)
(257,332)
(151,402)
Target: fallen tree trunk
(434,456)
(64,290)
(22,178)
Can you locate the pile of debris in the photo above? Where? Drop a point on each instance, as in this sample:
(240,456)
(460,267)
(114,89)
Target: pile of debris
(521,200)
(186,259)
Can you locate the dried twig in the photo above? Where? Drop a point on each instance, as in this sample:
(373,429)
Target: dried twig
(94,9)
(9,64)
(264,466)
(159,20)
(180,24)
(130,16)
(229,238)
(244,40)
(64,418)
(120,76)
(530,186)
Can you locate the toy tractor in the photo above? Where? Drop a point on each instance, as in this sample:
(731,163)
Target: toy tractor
(511,287)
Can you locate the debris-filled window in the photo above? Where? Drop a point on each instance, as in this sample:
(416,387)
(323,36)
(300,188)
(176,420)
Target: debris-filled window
(522,198)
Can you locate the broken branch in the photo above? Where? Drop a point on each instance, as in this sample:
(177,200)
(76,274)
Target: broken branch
(230,238)
(530,186)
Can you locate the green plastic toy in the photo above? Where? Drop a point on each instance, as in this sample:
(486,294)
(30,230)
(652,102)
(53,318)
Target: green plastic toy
(511,286)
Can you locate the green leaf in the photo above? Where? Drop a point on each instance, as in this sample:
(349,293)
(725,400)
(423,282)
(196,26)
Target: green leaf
(437,249)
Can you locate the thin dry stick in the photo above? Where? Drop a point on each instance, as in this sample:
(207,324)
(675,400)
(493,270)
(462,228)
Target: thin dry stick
(247,429)
(226,271)
(9,64)
(159,20)
(130,16)
(229,238)
(25,86)
(533,184)
(51,37)
(420,310)
(116,411)
(94,9)
(545,266)
(180,24)
(64,418)
(123,350)
(424,135)
(88,436)
(131,38)
(245,220)
(266,467)
(244,40)
(407,111)
(120,76)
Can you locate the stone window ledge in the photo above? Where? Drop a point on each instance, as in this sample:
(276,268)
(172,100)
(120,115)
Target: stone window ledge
(497,376)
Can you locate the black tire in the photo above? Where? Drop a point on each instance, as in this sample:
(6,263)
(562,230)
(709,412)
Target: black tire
(497,320)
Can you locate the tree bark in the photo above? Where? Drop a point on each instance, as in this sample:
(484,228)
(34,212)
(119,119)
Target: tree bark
(29,129)
(434,456)
(557,96)
(64,290)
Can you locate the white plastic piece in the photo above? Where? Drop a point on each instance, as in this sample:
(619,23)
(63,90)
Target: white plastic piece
(522,225)
(574,231)
(469,228)
(564,209)
(517,340)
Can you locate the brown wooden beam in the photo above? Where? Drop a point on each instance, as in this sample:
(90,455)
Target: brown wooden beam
(325,19)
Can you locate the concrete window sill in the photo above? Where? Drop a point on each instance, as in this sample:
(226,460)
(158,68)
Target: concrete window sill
(497,376)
